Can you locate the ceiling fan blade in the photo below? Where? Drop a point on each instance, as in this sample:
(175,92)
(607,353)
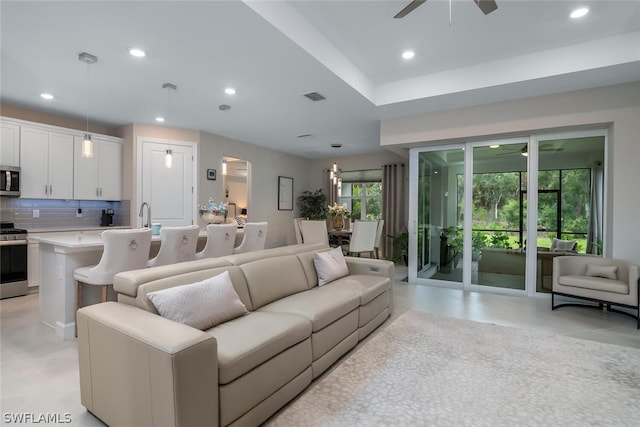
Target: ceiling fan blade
(409,8)
(486,6)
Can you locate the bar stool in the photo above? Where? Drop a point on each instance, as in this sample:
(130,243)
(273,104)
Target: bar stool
(177,244)
(124,250)
(255,235)
(221,238)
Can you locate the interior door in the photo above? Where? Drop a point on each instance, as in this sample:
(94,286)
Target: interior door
(168,190)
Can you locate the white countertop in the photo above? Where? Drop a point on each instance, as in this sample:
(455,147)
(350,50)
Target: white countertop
(89,239)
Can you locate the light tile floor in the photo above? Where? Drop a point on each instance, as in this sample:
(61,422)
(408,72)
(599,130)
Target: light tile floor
(39,374)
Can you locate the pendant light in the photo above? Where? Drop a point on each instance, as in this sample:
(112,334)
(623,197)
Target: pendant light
(87,144)
(168,154)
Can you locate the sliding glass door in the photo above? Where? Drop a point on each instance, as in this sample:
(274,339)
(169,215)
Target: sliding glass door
(439,206)
(474,206)
(498,223)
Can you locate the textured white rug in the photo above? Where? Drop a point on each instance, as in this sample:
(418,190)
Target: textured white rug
(426,370)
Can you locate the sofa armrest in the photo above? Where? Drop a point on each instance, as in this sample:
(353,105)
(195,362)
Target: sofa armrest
(377,267)
(137,368)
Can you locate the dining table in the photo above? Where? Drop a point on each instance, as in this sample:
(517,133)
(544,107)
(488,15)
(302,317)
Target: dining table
(340,235)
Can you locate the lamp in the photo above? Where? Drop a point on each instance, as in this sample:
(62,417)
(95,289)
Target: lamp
(243,211)
(168,154)
(335,182)
(87,144)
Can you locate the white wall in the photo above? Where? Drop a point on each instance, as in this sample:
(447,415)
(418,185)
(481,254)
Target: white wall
(266,166)
(616,108)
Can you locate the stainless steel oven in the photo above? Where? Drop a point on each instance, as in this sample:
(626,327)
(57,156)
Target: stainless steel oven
(13,261)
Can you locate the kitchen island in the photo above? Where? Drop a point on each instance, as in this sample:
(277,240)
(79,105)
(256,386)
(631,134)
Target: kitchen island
(60,255)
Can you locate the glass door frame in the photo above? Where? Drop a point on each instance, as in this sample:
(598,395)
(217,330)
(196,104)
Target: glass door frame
(532,206)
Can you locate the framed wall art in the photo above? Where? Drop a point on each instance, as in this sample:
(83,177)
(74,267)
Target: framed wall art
(285,193)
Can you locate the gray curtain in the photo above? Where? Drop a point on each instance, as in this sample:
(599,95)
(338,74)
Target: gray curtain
(393,181)
(594,236)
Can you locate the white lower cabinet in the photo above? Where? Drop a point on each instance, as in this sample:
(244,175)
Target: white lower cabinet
(33,261)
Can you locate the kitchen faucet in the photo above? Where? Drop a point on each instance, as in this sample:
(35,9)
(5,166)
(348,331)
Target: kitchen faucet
(148,224)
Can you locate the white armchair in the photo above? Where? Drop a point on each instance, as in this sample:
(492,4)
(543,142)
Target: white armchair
(607,281)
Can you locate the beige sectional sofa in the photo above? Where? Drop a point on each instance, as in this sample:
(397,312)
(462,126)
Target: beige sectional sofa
(140,369)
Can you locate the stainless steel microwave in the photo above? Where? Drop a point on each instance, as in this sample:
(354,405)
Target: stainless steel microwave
(9,181)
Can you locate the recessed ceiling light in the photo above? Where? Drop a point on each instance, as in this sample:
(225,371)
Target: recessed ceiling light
(230,91)
(579,12)
(46,96)
(159,119)
(494,146)
(137,52)
(408,54)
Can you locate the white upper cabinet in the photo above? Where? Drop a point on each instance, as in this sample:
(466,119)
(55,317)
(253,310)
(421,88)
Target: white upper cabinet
(10,145)
(99,177)
(46,162)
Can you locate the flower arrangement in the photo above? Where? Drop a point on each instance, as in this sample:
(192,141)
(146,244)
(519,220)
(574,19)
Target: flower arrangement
(337,210)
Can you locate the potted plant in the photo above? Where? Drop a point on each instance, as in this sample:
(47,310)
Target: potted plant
(312,204)
(478,241)
(400,248)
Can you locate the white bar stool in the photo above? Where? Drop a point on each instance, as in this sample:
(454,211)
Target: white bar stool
(221,238)
(255,235)
(124,250)
(177,244)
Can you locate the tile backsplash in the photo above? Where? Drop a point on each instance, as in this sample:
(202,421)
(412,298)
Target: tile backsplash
(60,213)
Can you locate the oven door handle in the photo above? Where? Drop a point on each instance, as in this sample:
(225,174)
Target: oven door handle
(12,242)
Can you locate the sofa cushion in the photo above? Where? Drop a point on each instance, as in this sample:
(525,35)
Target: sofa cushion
(330,265)
(322,306)
(271,279)
(595,283)
(367,286)
(201,304)
(248,341)
(606,271)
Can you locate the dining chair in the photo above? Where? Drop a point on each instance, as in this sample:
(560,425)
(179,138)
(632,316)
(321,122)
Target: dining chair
(221,238)
(296,229)
(255,235)
(376,246)
(124,250)
(177,244)
(363,238)
(314,231)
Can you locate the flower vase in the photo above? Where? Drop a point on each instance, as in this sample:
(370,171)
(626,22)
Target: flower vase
(338,222)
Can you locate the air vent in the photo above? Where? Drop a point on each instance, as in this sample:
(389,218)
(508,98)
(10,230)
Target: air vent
(306,135)
(314,96)
(336,145)
(224,107)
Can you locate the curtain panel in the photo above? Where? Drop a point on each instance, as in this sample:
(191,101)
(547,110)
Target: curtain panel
(393,212)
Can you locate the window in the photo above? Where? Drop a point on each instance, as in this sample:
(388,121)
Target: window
(362,193)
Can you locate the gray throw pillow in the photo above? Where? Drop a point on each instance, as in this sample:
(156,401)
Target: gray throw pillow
(330,265)
(605,271)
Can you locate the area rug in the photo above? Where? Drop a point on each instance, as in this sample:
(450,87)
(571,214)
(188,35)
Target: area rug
(427,370)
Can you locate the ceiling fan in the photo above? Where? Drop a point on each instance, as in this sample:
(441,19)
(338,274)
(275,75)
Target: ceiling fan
(517,148)
(486,6)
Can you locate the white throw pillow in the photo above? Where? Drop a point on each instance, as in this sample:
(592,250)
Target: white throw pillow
(605,271)
(202,304)
(330,265)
